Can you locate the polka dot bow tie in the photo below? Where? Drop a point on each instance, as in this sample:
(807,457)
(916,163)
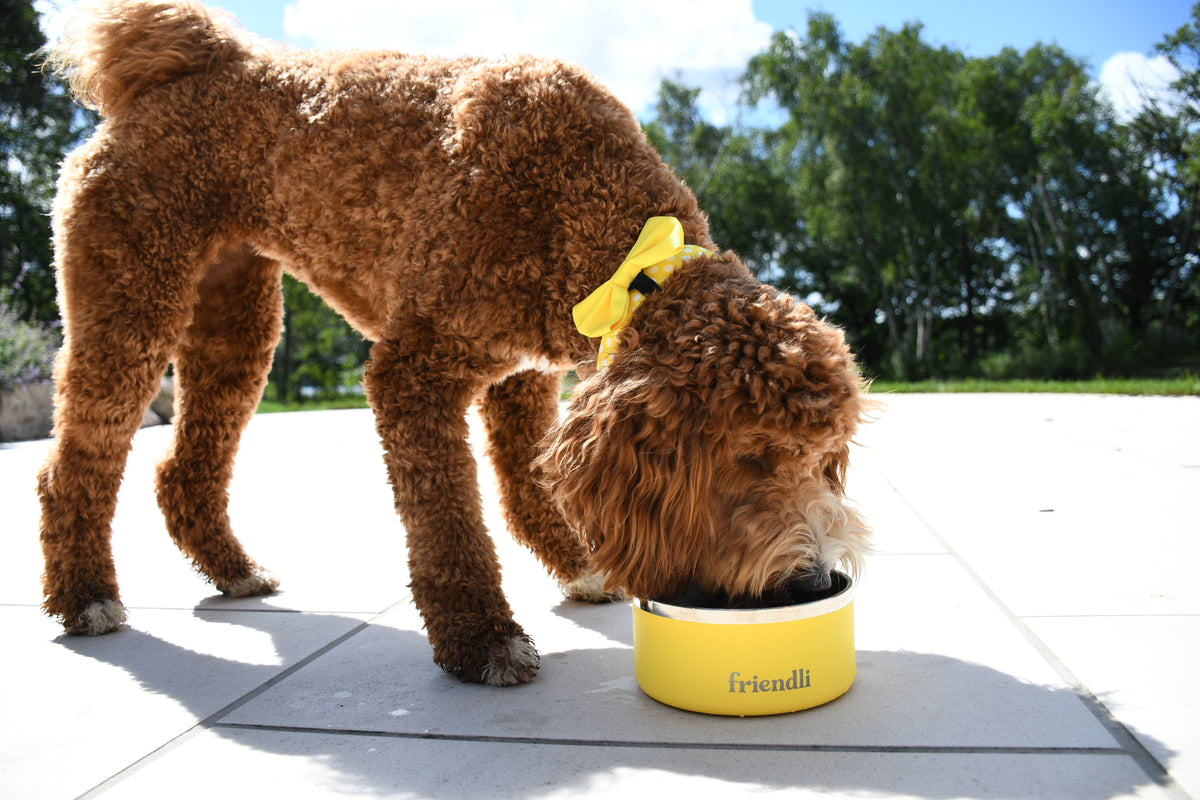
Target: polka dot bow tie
(658,252)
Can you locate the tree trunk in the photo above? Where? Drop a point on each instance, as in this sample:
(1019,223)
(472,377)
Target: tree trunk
(1045,275)
(1072,269)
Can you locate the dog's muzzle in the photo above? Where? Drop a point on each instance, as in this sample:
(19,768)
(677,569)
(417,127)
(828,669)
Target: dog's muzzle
(807,584)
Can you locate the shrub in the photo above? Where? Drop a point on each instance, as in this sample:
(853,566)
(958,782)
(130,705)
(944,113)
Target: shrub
(26,349)
(1069,362)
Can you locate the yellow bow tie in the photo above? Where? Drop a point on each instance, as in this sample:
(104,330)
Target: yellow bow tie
(658,252)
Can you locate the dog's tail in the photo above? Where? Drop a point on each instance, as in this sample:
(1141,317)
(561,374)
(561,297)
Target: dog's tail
(117,49)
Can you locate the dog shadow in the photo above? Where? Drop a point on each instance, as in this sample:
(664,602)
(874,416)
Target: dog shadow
(888,723)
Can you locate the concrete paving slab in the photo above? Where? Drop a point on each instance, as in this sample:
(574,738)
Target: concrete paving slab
(76,710)
(896,528)
(1054,521)
(971,683)
(1065,506)
(21,566)
(297,765)
(939,670)
(307,506)
(1140,669)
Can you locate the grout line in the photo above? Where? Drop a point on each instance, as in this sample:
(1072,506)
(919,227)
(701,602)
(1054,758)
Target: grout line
(1128,742)
(1111,616)
(214,720)
(158,752)
(232,610)
(344,612)
(659,745)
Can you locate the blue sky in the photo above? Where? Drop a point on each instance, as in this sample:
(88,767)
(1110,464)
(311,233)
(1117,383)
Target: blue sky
(1092,29)
(632,44)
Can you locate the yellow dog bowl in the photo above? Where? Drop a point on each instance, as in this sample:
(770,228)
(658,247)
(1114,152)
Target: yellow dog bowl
(746,662)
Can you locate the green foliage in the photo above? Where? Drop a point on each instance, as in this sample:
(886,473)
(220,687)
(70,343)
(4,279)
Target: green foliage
(743,191)
(26,349)
(319,356)
(348,402)
(959,216)
(38,125)
(1186,384)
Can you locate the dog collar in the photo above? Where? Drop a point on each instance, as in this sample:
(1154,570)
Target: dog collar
(658,252)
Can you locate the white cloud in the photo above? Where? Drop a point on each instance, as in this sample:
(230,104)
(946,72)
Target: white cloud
(54,16)
(630,45)
(1130,78)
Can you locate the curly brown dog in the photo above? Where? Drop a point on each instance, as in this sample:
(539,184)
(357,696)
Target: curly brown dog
(455,212)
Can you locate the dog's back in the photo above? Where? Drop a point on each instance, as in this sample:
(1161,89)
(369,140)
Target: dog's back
(446,179)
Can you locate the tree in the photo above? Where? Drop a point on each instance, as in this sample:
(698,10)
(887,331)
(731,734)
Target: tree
(1059,154)
(38,125)
(955,211)
(878,156)
(1167,133)
(319,354)
(739,185)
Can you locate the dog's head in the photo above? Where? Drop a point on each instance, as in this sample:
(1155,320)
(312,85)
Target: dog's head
(712,451)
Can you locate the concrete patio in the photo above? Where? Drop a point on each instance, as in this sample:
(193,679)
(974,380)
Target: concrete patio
(1028,628)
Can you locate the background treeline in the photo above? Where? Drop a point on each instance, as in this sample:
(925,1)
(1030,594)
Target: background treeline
(984,217)
(960,217)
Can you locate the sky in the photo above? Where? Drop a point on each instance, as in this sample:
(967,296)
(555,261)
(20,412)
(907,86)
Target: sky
(631,45)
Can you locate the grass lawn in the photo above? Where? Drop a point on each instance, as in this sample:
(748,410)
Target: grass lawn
(1183,385)
(273,406)
(1186,384)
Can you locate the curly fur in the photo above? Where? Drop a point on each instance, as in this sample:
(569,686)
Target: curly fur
(713,451)
(128,48)
(453,211)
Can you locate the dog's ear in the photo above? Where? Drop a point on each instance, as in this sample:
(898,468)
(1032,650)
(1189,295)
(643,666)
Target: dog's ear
(630,469)
(834,465)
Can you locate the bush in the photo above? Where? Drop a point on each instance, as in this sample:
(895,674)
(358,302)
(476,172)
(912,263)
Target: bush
(26,350)
(1068,362)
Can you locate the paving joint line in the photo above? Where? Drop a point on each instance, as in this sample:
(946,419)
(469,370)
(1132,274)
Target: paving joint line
(213,720)
(1129,743)
(274,681)
(659,745)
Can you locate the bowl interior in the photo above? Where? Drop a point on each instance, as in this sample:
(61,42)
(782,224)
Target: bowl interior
(707,609)
(799,590)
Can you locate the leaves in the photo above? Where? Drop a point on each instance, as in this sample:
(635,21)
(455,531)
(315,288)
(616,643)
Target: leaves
(952,211)
(26,349)
(319,355)
(38,125)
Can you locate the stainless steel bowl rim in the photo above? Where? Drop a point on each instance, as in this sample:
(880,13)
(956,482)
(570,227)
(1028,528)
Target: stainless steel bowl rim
(752,616)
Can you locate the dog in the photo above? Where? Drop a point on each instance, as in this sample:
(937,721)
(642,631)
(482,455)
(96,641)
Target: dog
(475,220)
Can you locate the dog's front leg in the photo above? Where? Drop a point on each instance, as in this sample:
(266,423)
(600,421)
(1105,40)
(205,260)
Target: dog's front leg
(517,413)
(420,413)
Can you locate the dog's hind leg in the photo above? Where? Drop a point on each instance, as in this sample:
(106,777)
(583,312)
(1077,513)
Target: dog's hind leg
(517,413)
(221,368)
(420,400)
(101,400)
(122,319)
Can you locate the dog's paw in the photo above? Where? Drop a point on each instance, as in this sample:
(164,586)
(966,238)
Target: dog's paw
(477,648)
(259,581)
(590,589)
(511,662)
(102,616)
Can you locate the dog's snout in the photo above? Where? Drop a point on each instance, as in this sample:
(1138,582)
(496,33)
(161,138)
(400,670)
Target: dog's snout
(810,585)
(817,579)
